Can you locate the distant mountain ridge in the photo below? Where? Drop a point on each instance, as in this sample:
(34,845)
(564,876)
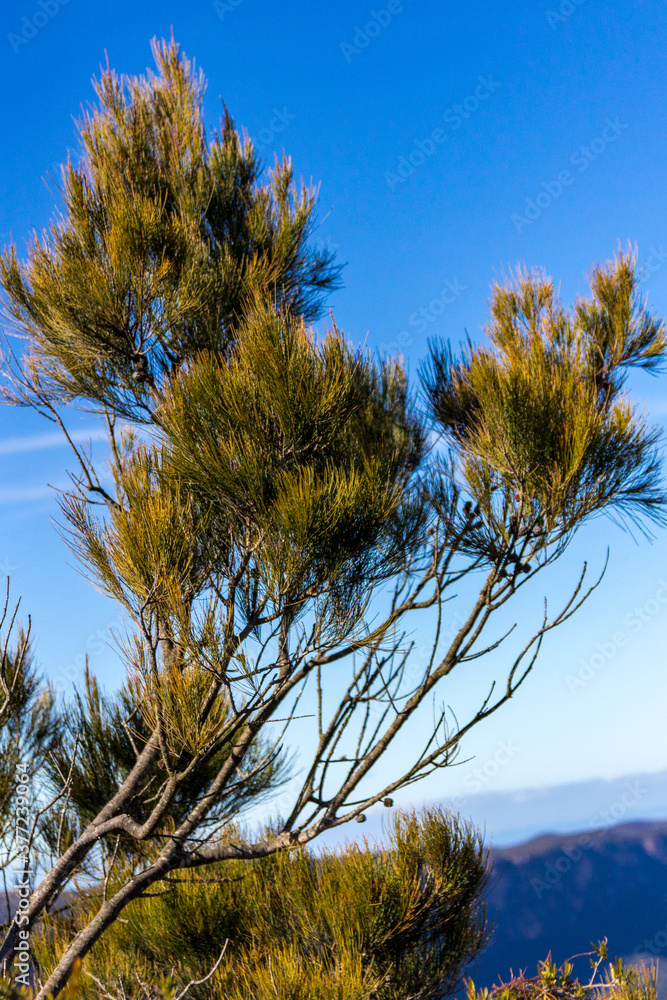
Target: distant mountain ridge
(560,892)
(514,817)
(517,816)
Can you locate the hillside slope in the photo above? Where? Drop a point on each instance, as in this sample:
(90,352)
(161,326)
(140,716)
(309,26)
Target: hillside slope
(558,893)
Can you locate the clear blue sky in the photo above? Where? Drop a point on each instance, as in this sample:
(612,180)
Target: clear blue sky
(451,141)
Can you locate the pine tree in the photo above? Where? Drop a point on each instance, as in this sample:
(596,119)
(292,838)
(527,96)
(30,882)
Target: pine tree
(269,483)
(389,923)
(29,725)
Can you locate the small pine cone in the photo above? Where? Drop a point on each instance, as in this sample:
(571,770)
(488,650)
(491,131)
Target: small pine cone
(141,373)
(361,818)
(388,803)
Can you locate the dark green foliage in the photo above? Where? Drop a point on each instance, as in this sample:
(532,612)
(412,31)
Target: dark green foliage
(537,419)
(166,236)
(307,446)
(28,722)
(403,919)
(108,733)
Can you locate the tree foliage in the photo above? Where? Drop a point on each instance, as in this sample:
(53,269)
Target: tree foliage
(392,923)
(538,417)
(97,746)
(167,235)
(267,484)
(28,722)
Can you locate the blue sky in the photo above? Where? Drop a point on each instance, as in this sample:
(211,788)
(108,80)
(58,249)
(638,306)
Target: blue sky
(452,141)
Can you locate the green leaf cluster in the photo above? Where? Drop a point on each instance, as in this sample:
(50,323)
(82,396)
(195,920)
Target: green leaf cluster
(537,420)
(163,238)
(307,446)
(400,921)
(108,731)
(29,726)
